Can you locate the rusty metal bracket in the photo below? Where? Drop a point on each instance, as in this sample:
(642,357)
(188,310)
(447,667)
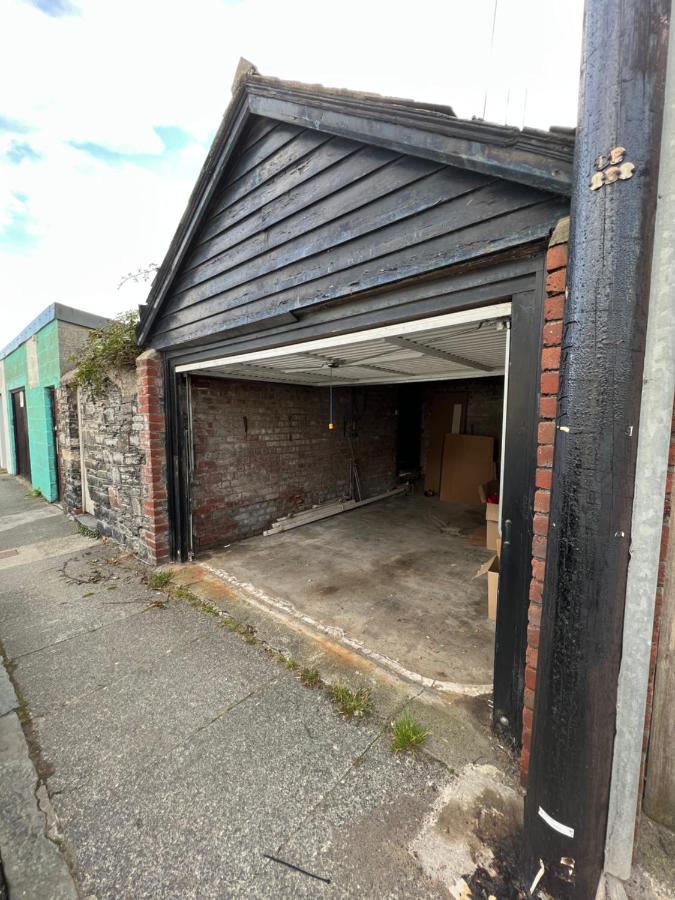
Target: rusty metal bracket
(611,168)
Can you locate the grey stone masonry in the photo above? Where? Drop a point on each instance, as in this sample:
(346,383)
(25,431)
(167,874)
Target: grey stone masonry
(106,433)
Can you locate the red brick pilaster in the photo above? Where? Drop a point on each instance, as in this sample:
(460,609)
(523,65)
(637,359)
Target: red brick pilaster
(153,471)
(556,273)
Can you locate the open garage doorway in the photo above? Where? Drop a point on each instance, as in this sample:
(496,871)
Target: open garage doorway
(340,481)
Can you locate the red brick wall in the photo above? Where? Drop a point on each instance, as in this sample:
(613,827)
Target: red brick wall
(153,475)
(665,535)
(264,450)
(556,270)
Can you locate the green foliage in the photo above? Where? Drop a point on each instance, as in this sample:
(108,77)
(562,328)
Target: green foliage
(109,349)
(87,532)
(407,734)
(35,492)
(159,580)
(350,703)
(310,677)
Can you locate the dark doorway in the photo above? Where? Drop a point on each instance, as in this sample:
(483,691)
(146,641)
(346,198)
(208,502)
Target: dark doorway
(409,428)
(20,417)
(55,446)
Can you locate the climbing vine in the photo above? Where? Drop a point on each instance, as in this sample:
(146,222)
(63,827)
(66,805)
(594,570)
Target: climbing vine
(109,349)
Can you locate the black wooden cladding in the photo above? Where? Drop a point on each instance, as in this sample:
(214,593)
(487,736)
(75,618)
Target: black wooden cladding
(589,539)
(302,218)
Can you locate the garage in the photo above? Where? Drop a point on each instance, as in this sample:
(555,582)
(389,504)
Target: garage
(350,322)
(319,476)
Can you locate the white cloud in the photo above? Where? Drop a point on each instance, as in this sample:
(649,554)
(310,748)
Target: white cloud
(111,75)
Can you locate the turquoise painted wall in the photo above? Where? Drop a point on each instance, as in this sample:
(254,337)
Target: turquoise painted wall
(40,425)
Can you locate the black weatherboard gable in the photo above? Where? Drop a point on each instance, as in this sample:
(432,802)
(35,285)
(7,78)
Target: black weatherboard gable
(534,159)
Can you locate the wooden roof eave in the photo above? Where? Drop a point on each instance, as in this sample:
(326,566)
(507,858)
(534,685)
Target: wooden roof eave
(536,158)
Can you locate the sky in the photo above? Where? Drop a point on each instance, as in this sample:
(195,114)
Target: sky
(108,108)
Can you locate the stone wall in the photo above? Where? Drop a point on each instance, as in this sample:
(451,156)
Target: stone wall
(68,441)
(119,436)
(264,450)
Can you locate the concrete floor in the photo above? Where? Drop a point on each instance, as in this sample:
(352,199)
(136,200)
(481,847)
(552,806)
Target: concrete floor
(397,576)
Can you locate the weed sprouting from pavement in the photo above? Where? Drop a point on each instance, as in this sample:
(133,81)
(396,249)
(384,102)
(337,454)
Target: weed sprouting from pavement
(352,704)
(407,734)
(159,580)
(35,492)
(86,532)
(288,662)
(310,677)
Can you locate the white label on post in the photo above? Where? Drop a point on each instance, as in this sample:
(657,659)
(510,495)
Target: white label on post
(555,825)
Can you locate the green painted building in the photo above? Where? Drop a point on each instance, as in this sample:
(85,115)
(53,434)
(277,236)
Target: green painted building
(32,365)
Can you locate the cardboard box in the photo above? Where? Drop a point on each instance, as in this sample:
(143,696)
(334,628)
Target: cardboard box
(446,415)
(493,588)
(467,462)
(492,525)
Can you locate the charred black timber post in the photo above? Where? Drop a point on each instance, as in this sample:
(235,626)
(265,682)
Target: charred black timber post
(612,219)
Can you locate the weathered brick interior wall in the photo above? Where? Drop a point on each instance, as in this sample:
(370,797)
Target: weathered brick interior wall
(264,450)
(484,409)
(123,437)
(556,269)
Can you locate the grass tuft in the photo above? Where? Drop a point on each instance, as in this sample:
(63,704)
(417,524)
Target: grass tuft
(310,677)
(407,734)
(86,532)
(35,492)
(159,580)
(352,704)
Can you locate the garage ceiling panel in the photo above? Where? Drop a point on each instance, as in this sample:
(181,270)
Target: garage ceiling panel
(460,345)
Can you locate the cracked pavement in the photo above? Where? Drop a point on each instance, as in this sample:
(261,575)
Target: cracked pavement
(174,754)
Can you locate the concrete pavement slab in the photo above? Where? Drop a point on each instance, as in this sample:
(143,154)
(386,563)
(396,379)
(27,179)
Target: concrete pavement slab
(33,865)
(149,711)
(59,673)
(29,553)
(39,606)
(231,791)
(8,700)
(10,521)
(358,835)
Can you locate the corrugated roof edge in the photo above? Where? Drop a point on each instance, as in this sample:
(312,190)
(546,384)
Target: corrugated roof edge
(557,146)
(61,313)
